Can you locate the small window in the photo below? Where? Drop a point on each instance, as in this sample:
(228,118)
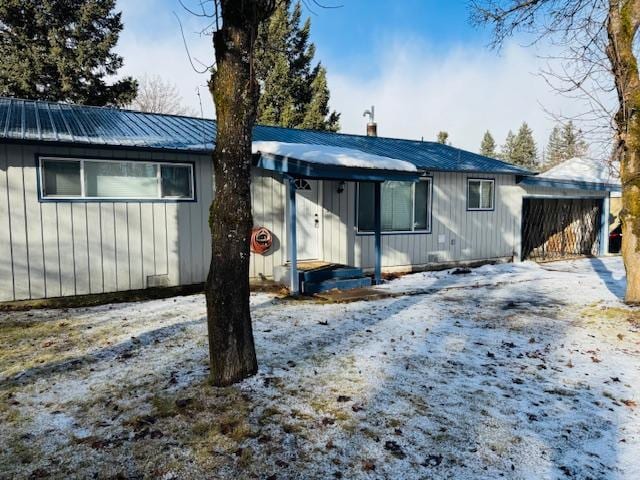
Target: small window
(112,179)
(406,206)
(302,184)
(61,178)
(480,194)
(176,181)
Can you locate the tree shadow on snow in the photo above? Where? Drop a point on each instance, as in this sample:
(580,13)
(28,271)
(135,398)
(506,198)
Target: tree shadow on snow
(616,286)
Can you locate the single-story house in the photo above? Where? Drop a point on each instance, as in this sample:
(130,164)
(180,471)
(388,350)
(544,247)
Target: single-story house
(96,200)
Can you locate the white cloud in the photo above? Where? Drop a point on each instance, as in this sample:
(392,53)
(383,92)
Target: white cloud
(465,91)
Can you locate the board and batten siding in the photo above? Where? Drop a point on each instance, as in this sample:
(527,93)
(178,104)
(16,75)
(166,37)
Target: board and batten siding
(53,249)
(456,234)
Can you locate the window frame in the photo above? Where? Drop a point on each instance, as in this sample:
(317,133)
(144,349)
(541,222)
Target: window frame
(40,166)
(428,179)
(493,194)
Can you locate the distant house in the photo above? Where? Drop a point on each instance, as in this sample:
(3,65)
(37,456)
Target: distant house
(96,200)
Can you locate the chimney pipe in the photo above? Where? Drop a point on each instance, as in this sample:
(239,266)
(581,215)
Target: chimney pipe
(372,126)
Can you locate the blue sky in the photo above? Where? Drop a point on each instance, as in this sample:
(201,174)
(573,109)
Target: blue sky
(420,62)
(346,36)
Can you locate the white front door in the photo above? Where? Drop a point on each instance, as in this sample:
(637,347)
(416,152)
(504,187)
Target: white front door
(309,216)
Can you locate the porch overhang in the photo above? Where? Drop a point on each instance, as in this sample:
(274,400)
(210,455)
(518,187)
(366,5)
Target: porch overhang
(293,167)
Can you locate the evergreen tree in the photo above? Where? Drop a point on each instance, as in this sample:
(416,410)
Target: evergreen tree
(555,152)
(317,116)
(508,148)
(443,137)
(488,145)
(565,142)
(62,50)
(573,141)
(293,94)
(525,152)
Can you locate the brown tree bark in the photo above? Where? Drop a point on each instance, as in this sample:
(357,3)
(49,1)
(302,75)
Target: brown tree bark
(622,25)
(235,94)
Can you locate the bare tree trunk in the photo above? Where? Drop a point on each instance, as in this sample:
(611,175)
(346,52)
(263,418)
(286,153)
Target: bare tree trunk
(235,94)
(622,25)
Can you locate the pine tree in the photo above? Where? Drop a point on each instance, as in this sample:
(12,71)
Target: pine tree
(488,145)
(508,148)
(565,143)
(555,152)
(443,137)
(293,94)
(573,141)
(317,116)
(62,50)
(525,152)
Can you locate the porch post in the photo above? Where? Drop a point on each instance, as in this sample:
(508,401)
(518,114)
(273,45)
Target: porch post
(604,226)
(377,209)
(294,283)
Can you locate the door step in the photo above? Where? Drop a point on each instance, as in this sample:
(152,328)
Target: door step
(317,277)
(335,284)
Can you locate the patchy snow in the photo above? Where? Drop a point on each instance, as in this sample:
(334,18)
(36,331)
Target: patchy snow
(585,170)
(509,371)
(328,155)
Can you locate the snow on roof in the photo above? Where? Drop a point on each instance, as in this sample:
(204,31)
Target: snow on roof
(329,155)
(584,170)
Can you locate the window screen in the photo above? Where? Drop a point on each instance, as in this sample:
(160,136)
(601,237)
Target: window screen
(61,178)
(480,195)
(397,206)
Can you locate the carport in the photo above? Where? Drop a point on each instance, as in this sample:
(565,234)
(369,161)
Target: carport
(563,219)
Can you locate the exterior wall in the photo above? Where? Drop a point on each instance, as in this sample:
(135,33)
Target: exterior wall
(456,234)
(52,249)
(268,197)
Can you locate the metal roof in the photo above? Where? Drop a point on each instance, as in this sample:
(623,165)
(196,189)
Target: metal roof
(568,184)
(39,121)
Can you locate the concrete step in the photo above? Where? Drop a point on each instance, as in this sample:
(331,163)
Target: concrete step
(335,283)
(323,274)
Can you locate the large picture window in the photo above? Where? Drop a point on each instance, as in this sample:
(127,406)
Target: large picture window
(66,178)
(406,206)
(480,194)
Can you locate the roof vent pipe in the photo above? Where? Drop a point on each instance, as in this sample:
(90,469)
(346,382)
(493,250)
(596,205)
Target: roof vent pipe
(372,126)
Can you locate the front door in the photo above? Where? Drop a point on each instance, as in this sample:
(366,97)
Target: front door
(309,214)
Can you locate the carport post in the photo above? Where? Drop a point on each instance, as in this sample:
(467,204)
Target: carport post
(604,226)
(377,209)
(294,282)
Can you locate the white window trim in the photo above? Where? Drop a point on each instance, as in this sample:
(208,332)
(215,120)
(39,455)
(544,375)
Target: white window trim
(413,211)
(493,194)
(83,196)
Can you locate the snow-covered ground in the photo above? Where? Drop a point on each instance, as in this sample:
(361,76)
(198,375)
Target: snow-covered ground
(510,371)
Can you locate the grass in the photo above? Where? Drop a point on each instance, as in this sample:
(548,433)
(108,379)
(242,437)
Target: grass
(600,313)
(29,344)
